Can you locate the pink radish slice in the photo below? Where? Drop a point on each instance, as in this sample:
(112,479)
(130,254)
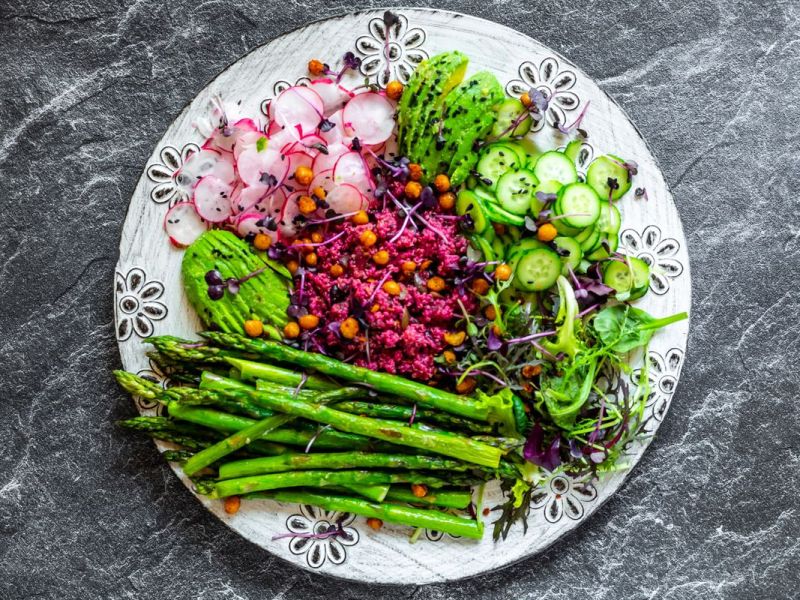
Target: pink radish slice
(336,134)
(351,168)
(224,169)
(253,223)
(235,197)
(324,162)
(224,139)
(333,95)
(371,116)
(287,224)
(271,205)
(183,225)
(196,166)
(298,109)
(323,179)
(250,196)
(212,199)
(255,167)
(297,160)
(245,141)
(346,198)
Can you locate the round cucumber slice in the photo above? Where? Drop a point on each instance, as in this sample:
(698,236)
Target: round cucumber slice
(469,204)
(622,278)
(555,165)
(604,168)
(570,252)
(510,110)
(495,161)
(537,270)
(609,220)
(550,186)
(516,190)
(579,204)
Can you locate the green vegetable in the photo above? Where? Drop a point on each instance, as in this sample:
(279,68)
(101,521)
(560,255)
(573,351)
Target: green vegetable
(566,338)
(264,296)
(458,499)
(623,328)
(390,513)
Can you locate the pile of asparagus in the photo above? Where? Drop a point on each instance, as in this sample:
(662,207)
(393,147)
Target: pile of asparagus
(257,418)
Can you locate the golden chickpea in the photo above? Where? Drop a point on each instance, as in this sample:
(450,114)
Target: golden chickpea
(337,270)
(546,233)
(303,175)
(232,504)
(381,257)
(502,272)
(409,266)
(436,284)
(361,218)
(529,371)
(368,238)
(311,259)
(455,338)
(480,286)
(349,328)
(415,172)
(316,67)
(317,237)
(394,89)
(441,182)
(374,523)
(467,386)
(319,192)
(253,327)
(308,321)
(413,189)
(292,265)
(447,200)
(526,100)
(291,330)
(262,241)
(392,288)
(490,313)
(449,356)
(306,205)
(419,490)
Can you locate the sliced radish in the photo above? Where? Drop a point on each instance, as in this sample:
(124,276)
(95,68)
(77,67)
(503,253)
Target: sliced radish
(287,224)
(212,199)
(253,223)
(255,167)
(225,139)
(370,116)
(183,225)
(323,179)
(250,196)
(196,166)
(245,141)
(299,110)
(271,204)
(351,168)
(297,160)
(324,162)
(333,95)
(346,198)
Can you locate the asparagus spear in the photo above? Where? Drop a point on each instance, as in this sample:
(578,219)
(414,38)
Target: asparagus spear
(376,493)
(459,499)
(456,446)
(391,513)
(227,423)
(318,478)
(404,413)
(242,438)
(181,350)
(382,382)
(252,371)
(336,460)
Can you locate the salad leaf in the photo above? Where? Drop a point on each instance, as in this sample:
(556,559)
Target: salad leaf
(565,396)
(566,339)
(622,328)
(501,410)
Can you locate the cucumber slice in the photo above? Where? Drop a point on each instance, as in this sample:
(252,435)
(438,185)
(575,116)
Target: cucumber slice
(622,278)
(516,190)
(572,150)
(546,187)
(609,220)
(522,155)
(537,270)
(598,254)
(589,244)
(468,203)
(495,160)
(604,168)
(471,183)
(498,214)
(555,165)
(507,113)
(484,246)
(570,252)
(583,234)
(499,249)
(485,195)
(580,204)
(489,234)
(522,246)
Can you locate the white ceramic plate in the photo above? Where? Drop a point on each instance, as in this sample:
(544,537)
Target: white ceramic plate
(148,298)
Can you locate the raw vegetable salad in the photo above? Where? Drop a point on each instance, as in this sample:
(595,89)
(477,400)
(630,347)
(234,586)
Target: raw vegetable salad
(404,298)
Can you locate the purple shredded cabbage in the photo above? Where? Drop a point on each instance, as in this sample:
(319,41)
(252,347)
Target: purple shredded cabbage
(535,450)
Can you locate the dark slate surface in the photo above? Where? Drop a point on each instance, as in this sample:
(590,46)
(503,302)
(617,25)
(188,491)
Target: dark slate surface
(86,511)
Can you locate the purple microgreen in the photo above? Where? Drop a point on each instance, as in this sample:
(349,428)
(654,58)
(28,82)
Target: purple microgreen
(640,193)
(326,125)
(217,287)
(545,197)
(629,165)
(299,387)
(577,123)
(574,449)
(332,531)
(538,452)
(268,180)
(530,338)
(413,414)
(539,100)
(530,224)
(331,218)
(493,342)
(349,61)
(355,145)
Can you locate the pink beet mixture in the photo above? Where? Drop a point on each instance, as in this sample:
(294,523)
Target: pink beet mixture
(405,333)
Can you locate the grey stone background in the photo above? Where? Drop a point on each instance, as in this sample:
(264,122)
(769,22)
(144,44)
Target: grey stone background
(88,511)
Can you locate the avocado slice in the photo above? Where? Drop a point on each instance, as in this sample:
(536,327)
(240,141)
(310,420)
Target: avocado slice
(422,98)
(264,297)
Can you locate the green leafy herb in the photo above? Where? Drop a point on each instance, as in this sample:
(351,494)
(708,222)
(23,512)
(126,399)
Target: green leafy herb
(623,328)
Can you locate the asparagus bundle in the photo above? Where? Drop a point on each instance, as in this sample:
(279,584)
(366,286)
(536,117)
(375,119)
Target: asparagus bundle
(245,427)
